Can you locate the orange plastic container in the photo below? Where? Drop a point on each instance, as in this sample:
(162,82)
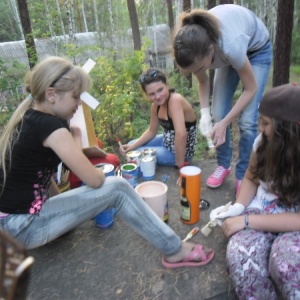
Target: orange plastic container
(190,178)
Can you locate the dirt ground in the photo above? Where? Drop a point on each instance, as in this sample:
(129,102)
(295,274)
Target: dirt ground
(90,263)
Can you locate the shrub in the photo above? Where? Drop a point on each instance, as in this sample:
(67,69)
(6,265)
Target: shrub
(122,111)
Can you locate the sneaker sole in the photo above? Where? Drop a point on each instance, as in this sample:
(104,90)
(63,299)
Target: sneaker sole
(214,186)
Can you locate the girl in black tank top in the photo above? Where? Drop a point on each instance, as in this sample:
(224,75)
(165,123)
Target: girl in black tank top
(176,146)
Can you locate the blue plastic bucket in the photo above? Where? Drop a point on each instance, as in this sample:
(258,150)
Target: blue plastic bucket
(105,219)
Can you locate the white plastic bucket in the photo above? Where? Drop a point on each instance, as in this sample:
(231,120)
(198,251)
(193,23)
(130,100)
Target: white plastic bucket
(155,195)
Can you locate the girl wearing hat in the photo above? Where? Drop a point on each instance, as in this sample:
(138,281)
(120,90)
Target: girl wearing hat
(263,226)
(176,146)
(36,139)
(232,40)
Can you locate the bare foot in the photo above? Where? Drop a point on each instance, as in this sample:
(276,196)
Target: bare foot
(185,250)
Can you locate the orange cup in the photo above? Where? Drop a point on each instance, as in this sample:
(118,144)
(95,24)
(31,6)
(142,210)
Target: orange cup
(190,178)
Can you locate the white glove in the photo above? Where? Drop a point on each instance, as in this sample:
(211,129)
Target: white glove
(233,210)
(205,125)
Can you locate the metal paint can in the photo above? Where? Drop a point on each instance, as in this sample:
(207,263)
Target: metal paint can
(130,173)
(134,157)
(108,169)
(148,167)
(150,152)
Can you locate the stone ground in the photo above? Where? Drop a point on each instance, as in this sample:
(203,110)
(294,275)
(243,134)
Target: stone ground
(91,263)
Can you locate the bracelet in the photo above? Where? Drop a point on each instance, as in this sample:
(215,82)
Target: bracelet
(246,222)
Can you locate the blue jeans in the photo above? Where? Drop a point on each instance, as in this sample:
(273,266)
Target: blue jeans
(66,211)
(164,157)
(225,83)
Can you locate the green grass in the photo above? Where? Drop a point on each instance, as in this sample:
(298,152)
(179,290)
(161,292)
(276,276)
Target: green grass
(295,71)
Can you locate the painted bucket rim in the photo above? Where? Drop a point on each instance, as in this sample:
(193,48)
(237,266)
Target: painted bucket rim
(129,164)
(140,185)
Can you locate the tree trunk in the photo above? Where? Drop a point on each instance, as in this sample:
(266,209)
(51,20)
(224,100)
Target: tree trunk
(49,19)
(171,25)
(283,42)
(69,4)
(187,5)
(154,32)
(187,8)
(29,40)
(226,1)
(84,17)
(79,17)
(170,15)
(17,16)
(96,15)
(113,31)
(134,25)
(70,20)
(211,75)
(211,4)
(179,7)
(60,18)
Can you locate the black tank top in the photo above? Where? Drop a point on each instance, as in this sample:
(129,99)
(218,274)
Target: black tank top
(168,124)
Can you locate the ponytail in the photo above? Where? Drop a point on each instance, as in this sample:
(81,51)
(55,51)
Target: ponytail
(195,33)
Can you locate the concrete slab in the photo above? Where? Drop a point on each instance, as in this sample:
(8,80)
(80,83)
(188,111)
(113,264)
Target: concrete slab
(90,263)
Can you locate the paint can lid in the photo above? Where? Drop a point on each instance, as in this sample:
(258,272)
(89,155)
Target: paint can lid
(134,153)
(106,168)
(147,159)
(149,151)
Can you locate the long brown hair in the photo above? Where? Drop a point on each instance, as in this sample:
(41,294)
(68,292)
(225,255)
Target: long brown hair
(278,161)
(192,38)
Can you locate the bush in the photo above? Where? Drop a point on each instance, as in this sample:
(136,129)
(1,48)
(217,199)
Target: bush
(122,111)
(11,79)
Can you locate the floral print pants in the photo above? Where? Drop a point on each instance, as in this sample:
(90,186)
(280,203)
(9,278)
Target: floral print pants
(261,264)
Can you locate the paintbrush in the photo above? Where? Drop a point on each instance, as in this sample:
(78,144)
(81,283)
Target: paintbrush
(191,234)
(120,144)
(211,146)
(208,228)
(119,172)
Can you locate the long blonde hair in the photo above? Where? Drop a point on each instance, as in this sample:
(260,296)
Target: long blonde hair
(56,72)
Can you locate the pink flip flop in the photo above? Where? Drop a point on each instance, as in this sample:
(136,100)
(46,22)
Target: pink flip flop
(189,260)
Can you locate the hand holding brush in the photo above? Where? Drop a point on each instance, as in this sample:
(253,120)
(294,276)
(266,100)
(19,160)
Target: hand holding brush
(208,228)
(120,145)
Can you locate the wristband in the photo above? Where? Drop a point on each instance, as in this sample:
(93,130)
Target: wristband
(246,222)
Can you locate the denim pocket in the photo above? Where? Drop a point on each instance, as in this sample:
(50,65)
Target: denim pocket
(15,225)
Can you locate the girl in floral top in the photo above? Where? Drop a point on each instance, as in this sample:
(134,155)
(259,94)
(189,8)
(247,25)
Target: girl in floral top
(263,253)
